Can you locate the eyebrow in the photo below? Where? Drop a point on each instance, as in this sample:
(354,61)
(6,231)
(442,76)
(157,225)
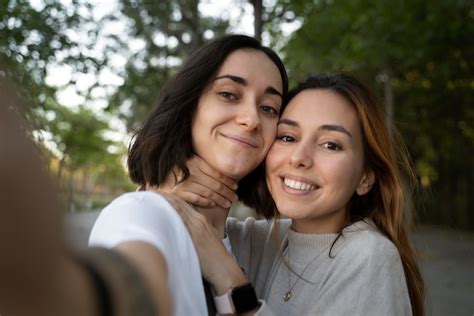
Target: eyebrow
(242,81)
(335,128)
(288,122)
(325,127)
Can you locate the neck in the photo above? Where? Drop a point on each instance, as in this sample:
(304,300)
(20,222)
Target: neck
(305,226)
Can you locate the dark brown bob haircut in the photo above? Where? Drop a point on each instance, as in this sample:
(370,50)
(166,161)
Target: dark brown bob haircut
(164,140)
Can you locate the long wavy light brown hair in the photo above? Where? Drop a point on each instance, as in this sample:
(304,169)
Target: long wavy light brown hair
(388,204)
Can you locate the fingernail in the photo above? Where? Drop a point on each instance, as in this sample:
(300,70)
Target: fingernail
(235,186)
(227,203)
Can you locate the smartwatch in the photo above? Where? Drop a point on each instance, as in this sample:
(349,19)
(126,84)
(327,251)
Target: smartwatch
(237,300)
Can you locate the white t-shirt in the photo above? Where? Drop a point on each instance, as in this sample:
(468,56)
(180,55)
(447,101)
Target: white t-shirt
(148,217)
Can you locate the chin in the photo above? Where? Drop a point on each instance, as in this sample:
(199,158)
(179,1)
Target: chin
(292,211)
(235,170)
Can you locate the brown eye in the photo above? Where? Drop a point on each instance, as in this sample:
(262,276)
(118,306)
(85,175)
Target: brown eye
(268,109)
(228,95)
(286,138)
(332,146)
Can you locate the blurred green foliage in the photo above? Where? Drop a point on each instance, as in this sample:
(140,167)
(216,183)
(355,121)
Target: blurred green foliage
(168,31)
(418,55)
(32,38)
(423,53)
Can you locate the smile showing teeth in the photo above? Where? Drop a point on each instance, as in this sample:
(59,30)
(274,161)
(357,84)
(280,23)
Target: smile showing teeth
(293,184)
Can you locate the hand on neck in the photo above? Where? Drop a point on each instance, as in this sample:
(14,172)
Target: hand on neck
(216,216)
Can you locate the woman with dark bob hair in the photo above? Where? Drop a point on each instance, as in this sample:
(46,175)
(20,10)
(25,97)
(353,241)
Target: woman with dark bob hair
(222,105)
(341,177)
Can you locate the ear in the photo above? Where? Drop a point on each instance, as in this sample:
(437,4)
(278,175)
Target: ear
(366,182)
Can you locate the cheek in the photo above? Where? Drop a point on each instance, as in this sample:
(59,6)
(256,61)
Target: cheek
(198,118)
(269,131)
(344,174)
(275,159)
(197,128)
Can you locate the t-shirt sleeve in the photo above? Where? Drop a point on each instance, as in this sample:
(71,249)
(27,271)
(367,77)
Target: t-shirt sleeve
(148,217)
(139,216)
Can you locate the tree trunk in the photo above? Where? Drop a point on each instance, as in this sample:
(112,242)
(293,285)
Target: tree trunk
(60,170)
(70,200)
(88,187)
(258,22)
(388,94)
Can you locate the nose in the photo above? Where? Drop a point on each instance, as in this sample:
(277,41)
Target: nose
(302,156)
(248,116)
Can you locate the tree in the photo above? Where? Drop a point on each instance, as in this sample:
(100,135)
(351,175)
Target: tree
(83,146)
(35,37)
(419,56)
(166,30)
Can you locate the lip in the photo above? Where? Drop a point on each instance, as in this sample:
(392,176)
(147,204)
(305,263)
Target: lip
(241,140)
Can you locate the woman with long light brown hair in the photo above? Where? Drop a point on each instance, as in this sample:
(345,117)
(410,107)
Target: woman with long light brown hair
(342,177)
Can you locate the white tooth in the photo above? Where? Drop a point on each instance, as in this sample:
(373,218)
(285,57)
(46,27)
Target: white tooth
(298,185)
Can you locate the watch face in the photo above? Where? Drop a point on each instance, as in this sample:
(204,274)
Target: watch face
(244,298)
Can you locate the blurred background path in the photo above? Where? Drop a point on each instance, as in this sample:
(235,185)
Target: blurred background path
(447,263)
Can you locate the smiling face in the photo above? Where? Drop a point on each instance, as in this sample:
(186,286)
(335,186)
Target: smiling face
(317,161)
(236,117)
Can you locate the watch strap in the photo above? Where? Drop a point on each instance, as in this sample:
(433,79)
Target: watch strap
(224,303)
(239,299)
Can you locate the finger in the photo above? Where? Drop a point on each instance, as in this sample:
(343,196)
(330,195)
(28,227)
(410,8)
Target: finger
(182,211)
(214,186)
(195,199)
(196,193)
(211,172)
(193,193)
(194,221)
(209,194)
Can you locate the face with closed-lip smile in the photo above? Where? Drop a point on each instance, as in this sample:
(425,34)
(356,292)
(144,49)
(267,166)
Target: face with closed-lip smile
(317,161)
(236,117)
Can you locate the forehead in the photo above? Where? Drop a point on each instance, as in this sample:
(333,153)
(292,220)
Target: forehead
(254,66)
(316,107)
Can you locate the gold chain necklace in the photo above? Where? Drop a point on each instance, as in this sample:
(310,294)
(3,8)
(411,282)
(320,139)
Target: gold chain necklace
(289,293)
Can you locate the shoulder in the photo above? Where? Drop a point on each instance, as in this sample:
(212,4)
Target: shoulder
(143,199)
(363,242)
(137,206)
(135,216)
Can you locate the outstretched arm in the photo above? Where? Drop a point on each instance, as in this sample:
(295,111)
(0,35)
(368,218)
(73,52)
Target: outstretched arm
(39,275)
(34,268)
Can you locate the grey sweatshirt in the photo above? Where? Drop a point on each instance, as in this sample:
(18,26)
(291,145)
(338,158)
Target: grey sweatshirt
(363,275)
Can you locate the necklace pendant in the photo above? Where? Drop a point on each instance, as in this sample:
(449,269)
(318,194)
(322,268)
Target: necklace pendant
(287,296)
